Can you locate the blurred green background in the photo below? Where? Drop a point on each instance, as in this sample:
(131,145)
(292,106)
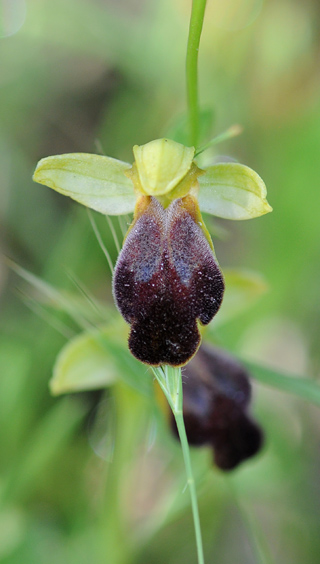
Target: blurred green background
(101,76)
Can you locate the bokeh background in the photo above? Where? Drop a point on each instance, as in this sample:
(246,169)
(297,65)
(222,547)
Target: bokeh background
(101,76)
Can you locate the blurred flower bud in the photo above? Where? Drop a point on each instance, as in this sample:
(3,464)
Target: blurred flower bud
(216,397)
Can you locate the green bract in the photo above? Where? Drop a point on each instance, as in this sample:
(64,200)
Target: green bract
(84,364)
(162,168)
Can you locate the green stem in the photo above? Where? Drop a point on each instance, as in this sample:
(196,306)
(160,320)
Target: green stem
(170,381)
(195,29)
(191,484)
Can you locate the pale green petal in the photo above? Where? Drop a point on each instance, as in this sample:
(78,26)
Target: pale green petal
(93,180)
(161,164)
(83,364)
(232,191)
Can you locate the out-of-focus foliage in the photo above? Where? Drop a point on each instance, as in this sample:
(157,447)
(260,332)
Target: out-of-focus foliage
(85,479)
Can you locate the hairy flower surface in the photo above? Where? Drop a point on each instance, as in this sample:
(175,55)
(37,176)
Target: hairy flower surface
(167,278)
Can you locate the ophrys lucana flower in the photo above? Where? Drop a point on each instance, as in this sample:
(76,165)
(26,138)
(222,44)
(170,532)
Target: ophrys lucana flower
(167,279)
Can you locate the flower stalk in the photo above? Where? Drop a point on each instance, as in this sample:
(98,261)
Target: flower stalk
(170,381)
(195,29)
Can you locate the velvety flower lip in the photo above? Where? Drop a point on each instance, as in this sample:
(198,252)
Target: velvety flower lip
(216,398)
(166,279)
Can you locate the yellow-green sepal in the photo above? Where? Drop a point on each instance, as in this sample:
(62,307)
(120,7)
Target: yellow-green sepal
(161,165)
(95,181)
(232,191)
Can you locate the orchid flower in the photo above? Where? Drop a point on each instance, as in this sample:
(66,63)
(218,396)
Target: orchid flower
(216,400)
(167,279)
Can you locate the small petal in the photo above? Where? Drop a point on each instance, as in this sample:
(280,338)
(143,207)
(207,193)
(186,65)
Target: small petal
(95,181)
(161,165)
(232,191)
(166,279)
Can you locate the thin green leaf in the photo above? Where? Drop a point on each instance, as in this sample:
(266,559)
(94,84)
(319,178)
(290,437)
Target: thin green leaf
(100,241)
(55,298)
(232,131)
(302,387)
(52,433)
(232,191)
